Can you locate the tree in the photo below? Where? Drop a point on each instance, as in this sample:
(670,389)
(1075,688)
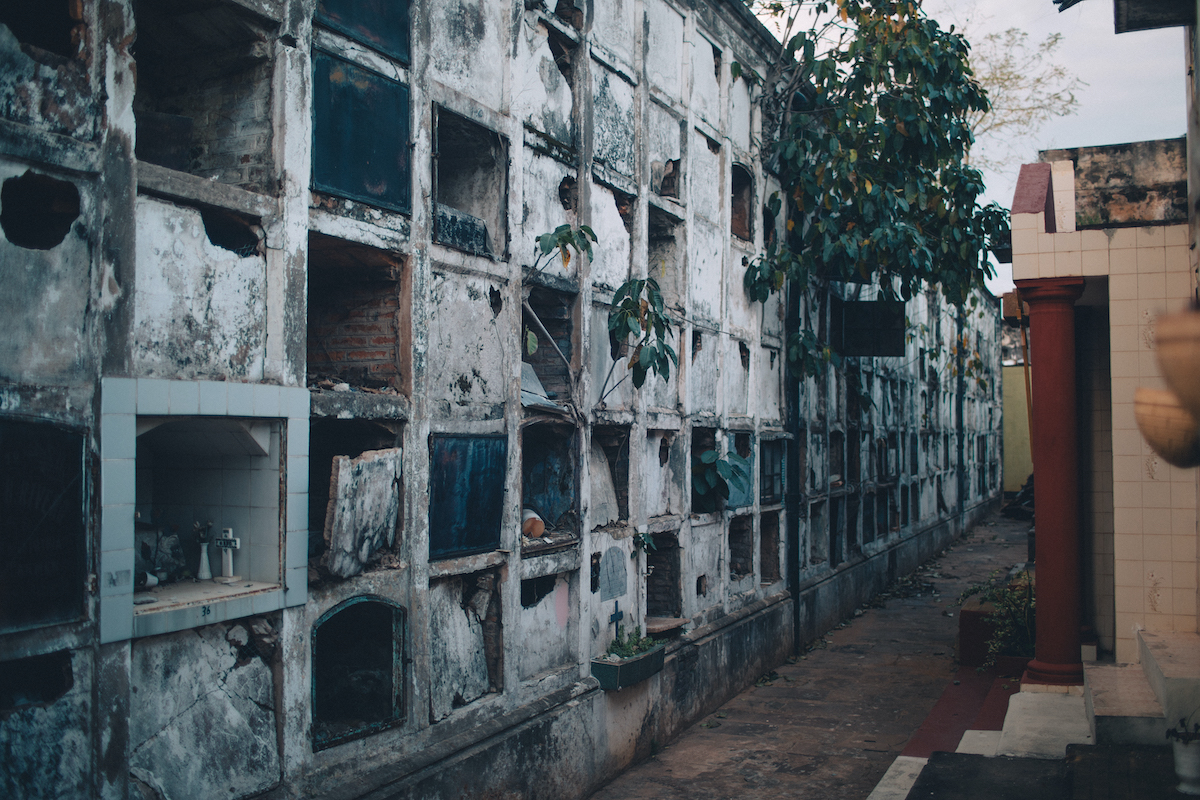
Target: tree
(872,106)
(1025,88)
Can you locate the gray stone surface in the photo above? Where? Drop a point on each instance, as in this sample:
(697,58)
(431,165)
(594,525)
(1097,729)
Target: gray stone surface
(202,717)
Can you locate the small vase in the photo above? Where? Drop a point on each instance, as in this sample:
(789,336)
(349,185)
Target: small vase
(1187,766)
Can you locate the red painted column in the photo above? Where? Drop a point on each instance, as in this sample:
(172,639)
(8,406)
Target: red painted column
(1056,484)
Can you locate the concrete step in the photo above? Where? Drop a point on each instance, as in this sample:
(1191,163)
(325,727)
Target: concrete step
(1121,706)
(1171,661)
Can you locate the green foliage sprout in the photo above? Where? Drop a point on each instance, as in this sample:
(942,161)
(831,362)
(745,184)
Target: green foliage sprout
(639,311)
(627,646)
(713,475)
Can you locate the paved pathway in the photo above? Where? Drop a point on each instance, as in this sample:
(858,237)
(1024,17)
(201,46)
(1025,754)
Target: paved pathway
(829,723)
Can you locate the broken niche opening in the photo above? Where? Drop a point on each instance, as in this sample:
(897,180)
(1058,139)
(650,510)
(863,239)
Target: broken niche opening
(354,493)
(853,455)
(664,588)
(471,186)
(34,681)
(360,134)
(466,642)
(903,506)
(706,497)
(741,547)
(608,468)
(741,209)
(869,521)
(768,547)
(37,211)
(202,103)
(914,507)
(837,506)
(853,507)
(549,482)
(358,661)
(818,540)
(665,256)
(200,481)
(54,27)
(43,532)
(358,323)
(770,473)
(466,493)
(837,459)
(546,342)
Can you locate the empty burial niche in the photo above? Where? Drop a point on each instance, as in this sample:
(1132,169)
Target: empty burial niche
(34,681)
(836,535)
(770,472)
(358,328)
(837,458)
(358,658)
(664,595)
(56,27)
(868,518)
(741,547)
(701,585)
(818,540)
(594,582)
(555,311)
(37,211)
(768,547)
(853,543)
(472,188)
(613,441)
(740,211)
(329,438)
(665,256)
(914,506)
(196,478)
(853,455)
(203,97)
(43,533)
(549,483)
(903,505)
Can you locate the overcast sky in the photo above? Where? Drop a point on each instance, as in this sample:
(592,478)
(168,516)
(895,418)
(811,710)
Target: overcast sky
(1136,81)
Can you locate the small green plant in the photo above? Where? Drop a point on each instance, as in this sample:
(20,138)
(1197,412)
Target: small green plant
(639,311)
(643,540)
(1014,618)
(712,476)
(564,239)
(627,646)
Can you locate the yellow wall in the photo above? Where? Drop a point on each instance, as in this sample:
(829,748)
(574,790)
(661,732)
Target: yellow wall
(1018,464)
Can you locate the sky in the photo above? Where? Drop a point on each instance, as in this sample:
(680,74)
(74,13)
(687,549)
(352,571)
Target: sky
(1136,81)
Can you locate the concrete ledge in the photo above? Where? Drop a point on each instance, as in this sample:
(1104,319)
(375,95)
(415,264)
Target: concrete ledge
(1171,662)
(1121,707)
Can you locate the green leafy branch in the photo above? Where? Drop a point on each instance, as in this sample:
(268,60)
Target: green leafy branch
(564,239)
(638,311)
(712,476)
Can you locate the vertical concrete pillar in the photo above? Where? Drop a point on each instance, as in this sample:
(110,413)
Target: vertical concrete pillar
(1055,464)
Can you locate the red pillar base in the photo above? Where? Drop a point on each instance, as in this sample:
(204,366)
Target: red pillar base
(1053,674)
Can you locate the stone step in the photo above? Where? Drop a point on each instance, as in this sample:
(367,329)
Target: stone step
(1121,706)
(1171,661)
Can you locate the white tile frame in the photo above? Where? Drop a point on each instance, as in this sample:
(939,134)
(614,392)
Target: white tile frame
(121,401)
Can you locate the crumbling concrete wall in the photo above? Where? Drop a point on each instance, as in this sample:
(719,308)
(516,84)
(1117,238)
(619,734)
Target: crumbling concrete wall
(197,314)
(203,715)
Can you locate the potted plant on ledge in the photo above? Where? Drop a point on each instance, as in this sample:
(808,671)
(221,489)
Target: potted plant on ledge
(628,660)
(1186,744)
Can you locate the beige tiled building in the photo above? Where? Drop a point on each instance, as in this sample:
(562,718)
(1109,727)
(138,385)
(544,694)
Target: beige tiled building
(1139,520)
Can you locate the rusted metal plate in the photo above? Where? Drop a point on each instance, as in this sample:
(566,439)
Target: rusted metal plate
(379,24)
(360,134)
(466,493)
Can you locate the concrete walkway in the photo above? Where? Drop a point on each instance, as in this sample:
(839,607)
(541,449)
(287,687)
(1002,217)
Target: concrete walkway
(832,722)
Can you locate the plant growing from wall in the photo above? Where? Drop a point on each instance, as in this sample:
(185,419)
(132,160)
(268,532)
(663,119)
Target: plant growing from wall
(638,311)
(1013,618)
(871,114)
(712,476)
